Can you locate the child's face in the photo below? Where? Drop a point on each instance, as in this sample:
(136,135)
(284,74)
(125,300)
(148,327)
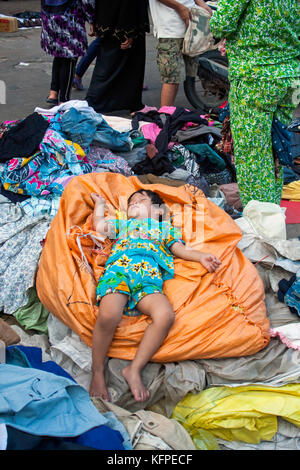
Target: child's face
(140,207)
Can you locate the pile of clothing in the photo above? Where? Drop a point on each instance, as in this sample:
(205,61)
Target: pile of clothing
(29,19)
(42,153)
(39,155)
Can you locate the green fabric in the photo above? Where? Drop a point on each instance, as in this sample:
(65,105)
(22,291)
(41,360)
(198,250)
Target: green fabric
(253,103)
(262,37)
(204,150)
(137,141)
(33,316)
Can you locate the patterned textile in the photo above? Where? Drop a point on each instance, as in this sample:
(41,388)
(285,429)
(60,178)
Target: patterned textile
(64,35)
(145,237)
(136,277)
(44,173)
(40,206)
(262,37)
(226,144)
(103,158)
(6,125)
(253,103)
(38,175)
(172,64)
(20,249)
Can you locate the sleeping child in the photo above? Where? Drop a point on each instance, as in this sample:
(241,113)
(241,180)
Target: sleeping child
(140,261)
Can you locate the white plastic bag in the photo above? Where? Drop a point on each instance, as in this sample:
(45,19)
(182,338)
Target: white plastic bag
(267,219)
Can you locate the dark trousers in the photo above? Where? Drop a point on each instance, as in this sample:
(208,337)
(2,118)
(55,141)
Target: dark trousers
(62,77)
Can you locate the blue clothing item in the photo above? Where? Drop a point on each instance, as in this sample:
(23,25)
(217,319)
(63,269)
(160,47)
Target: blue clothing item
(115,424)
(282,143)
(88,58)
(104,437)
(30,356)
(114,140)
(146,237)
(87,126)
(43,403)
(289,175)
(112,436)
(135,276)
(101,438)
(292,296)
(78,127)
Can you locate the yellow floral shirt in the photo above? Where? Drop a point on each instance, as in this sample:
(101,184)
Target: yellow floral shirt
(146,237)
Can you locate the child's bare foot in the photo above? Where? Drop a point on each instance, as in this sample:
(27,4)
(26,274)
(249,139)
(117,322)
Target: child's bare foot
(134,380)
(98,387)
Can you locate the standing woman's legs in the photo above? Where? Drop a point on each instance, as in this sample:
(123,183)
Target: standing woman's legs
(252,107)
(54,87)
(66,75)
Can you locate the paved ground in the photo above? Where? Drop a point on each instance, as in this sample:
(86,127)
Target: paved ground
(28,85)
(26,71)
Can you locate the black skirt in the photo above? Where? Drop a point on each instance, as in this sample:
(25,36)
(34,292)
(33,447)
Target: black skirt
(118,77)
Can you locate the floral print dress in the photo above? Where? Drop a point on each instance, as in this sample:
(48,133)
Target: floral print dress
(140,260)
(263,47)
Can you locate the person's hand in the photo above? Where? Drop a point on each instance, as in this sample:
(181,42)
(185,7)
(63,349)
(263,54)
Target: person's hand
(92,30)
(127,44)
(98,199)
(210,262)
(202,4)
(185,14)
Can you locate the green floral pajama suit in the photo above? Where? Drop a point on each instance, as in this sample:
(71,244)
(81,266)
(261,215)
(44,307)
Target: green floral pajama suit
(263,47)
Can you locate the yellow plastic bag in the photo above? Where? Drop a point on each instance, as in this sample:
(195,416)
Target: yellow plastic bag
(244,413)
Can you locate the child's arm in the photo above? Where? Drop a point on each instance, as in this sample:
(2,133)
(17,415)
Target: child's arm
(99,223)
(210,262)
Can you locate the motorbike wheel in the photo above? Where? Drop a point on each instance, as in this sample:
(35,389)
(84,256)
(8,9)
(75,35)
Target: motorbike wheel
(197,92)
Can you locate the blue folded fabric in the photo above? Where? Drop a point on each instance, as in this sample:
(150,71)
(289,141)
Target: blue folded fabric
(44,403)
(109,435)
(30,356)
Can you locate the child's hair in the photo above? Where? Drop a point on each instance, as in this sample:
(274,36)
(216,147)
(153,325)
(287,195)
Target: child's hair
(155,200)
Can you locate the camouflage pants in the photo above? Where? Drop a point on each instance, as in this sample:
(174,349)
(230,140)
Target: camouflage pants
(173,66)
(253,103)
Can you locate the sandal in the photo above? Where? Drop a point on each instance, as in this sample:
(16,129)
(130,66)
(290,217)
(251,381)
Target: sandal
(52,101)
(77,83)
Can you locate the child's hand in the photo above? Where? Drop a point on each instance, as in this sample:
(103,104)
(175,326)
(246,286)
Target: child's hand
(210,262)
(98,199)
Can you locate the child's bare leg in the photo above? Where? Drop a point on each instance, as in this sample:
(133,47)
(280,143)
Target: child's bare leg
(109,316)
(159,308)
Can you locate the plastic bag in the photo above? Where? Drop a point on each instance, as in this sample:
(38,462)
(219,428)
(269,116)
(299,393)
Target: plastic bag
(267,218)
(198,37)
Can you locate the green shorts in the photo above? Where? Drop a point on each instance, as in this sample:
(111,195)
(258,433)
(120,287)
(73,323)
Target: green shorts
(173,65)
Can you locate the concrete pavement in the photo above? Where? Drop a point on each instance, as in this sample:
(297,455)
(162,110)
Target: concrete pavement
(26,68)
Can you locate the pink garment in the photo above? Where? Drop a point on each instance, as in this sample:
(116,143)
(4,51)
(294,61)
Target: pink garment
(151,130)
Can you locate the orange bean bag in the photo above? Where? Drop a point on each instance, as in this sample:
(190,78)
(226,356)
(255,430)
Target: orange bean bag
(221,314)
